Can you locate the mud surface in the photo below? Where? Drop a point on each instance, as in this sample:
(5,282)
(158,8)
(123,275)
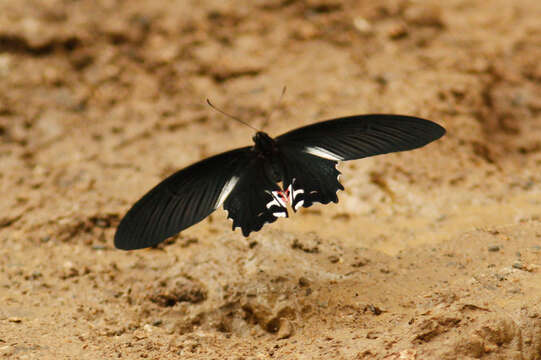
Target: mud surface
(430,254)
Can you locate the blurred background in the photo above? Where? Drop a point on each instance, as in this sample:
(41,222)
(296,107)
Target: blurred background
(100,100)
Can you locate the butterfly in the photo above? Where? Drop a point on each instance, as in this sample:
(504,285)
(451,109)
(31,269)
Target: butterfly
(245,181)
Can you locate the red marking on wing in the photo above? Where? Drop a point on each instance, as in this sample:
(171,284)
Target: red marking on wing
(284,195)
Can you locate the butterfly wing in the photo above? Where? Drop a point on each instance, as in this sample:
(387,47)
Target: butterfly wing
(255,200)
(310,153)
(309,178)
(356,137)
(182,200)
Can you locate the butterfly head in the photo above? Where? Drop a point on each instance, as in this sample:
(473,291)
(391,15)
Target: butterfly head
(264,144)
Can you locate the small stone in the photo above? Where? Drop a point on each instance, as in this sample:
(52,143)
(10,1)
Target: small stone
(360,262)
(139,334)
(69,271)
(309,245)
(518,265)
(408,354)
(494,248)
(373,309)
(15,320)
(372,335)
(397,31)
(286,329)
(362,25)
(334,259)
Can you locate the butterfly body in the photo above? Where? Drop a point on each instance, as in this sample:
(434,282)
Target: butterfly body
(245,181)
(266,149)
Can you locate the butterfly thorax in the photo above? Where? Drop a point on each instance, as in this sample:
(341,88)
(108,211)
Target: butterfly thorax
(267,150)
(264,144)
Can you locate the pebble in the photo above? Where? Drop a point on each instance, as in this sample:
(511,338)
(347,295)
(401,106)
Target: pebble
(334,259)
(362,25)
(286,329)
(140,334)
(397,31)
(494,248)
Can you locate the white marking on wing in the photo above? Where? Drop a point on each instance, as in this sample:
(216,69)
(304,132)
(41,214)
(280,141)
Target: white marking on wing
(297,192)
(273,202)
(299,204)
(322,153)
(226,190)
(279,214)
(292,192)
(279,196)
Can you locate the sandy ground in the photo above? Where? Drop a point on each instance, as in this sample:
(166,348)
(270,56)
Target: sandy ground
(430,254)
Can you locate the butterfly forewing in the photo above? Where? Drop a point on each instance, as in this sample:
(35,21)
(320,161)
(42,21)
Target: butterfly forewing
(356,137)
(181,200)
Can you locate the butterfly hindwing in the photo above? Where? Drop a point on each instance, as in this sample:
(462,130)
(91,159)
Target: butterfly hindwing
(309,178)
(181,200)
(255,200)
(356,137)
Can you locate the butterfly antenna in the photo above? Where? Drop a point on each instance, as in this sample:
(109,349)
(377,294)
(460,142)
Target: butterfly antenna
(277,104)
(230,116)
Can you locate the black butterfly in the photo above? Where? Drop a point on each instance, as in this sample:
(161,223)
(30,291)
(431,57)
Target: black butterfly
(245,181)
